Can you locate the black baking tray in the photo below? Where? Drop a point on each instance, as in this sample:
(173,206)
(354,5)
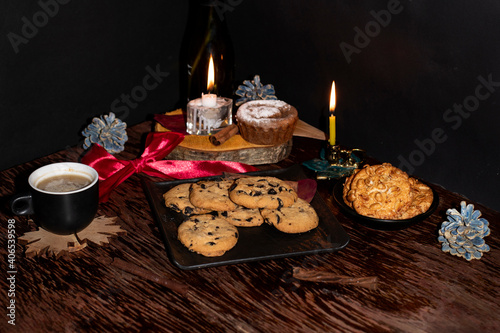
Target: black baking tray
(254,243)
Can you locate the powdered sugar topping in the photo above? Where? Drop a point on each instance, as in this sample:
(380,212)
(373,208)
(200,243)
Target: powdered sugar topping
(263,111)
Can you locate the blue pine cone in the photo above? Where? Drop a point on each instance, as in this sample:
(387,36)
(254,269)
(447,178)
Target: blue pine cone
(463,234)
(254,90)
(107,131)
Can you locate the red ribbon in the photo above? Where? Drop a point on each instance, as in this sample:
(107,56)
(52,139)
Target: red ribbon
(112,171)
(175,123)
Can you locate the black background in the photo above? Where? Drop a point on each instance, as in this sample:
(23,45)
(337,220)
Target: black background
(393,92)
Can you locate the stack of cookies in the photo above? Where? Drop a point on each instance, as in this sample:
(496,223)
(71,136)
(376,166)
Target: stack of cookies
(215,209)
(386,192)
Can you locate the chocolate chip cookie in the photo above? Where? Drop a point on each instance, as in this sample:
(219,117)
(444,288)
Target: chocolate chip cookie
(243,217)
(262,192)
(207,235)
(212,195)
(300,217)
(177,198)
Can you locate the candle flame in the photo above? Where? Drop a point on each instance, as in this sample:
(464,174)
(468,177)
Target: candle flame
(333,99)
(211,75)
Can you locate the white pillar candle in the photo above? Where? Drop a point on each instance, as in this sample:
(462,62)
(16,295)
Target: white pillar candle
(208,100)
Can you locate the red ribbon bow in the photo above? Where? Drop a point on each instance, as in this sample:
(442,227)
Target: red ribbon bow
(112,171)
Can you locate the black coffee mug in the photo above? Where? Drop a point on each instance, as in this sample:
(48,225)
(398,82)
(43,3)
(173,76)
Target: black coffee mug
(61,213)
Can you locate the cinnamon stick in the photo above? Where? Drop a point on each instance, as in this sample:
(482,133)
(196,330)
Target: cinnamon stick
(223,135)
(369,282)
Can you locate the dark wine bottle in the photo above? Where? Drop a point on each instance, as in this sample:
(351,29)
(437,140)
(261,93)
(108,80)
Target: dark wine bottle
(206,34)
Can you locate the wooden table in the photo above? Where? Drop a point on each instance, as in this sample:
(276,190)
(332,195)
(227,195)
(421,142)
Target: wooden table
(420,288)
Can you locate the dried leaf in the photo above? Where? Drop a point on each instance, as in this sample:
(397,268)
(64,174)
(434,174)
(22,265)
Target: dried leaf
(41,243)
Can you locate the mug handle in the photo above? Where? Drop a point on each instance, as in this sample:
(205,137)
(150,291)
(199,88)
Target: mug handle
(22,204)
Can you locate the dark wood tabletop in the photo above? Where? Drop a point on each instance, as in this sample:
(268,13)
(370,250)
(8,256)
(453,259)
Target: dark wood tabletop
(131,285)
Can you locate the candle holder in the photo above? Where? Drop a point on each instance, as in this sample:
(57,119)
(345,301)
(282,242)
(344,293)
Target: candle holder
(206,120)
(339,157)
(335,162)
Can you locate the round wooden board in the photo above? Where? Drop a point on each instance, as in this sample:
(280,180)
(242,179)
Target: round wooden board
(236,149)
(252,156)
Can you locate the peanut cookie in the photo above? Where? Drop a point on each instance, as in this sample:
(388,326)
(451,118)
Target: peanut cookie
(300,217)
(422,198)
(243,217)
(207,235)
(212,195)
(348,199)
(177,198)
(262,192)
(379,191)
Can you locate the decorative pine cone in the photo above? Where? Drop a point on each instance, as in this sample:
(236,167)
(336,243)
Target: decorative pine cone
(254,90)
(107,131)
(462,235)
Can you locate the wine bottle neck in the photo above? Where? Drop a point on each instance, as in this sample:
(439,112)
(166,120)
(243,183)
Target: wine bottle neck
(207,36)
(205,13)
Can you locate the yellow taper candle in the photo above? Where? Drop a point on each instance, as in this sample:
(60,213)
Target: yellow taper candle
(333,103)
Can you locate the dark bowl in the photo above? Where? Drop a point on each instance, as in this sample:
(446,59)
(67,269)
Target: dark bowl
(380,224)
